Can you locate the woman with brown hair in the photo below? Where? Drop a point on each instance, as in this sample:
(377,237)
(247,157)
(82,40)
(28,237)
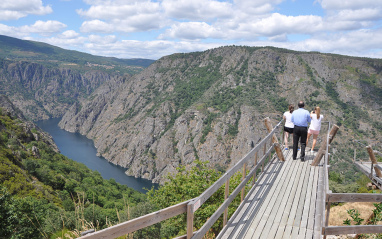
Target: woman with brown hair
(315,126)
(288,128)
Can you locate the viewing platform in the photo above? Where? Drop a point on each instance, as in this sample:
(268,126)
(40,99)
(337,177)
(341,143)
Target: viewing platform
(287,198)
(283,205)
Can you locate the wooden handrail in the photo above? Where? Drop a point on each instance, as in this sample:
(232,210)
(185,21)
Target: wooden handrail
(215,216)
(192,205)
(358,229)
(354,197)
(139,223)
(214,187)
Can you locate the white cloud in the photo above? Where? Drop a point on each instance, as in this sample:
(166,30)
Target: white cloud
(96,26)
(96,39)
(67,43)
(258,7)
(122,16)
(278,24)
(197,9)
(15,9)
(192,31)
(349,4)
(70,34)
(147,49)
(43,27)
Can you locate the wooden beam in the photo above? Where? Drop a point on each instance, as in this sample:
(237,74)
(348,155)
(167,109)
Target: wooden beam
(374,161)
(139,223)
(322,149)
(190,220)
(269,127)
(242,178)
(354,197)
(226,193)
(358,229)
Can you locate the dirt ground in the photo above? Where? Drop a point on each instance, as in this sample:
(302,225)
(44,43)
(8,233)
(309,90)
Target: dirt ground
(339,213)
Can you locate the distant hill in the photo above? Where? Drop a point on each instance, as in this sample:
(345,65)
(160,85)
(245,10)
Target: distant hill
(16,49)
(44,81)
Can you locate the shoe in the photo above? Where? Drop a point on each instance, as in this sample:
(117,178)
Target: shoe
(311,151)
(302,160)
(294,159)
(286,149)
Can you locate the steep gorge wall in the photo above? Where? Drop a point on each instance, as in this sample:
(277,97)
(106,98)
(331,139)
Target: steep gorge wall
(210,105)
(42,92)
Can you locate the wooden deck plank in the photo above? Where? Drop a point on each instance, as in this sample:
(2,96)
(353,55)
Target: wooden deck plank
(285,213)
(305,214)
(273,203)
(277,214)
(287,209)
(274,206)
(296,200)
(254,197)
(302,233)
(312,207)
(319,205)
(250,233)
(302,199)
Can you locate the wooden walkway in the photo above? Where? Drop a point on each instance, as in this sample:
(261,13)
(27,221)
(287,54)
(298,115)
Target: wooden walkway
(365,167)
(283,205)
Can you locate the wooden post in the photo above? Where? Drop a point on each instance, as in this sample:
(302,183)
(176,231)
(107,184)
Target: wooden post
(190,220)
(226,192)
(242,179)
(269,127)
(322,149)
(327,217)
(374,161)
(254,174)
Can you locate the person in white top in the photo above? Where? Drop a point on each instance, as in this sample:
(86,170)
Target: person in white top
(288,128)
(315,126)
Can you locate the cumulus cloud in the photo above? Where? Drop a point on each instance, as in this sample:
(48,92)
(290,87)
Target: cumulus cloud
(192,31)
(349,4)
(147,49)
(96,26)
(197,9)
(70,34)
(122,16)
(258,7)
(44,27)
(96,39)
(15,9)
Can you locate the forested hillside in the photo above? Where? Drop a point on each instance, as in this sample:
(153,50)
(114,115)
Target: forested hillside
(210,106)
(43,193)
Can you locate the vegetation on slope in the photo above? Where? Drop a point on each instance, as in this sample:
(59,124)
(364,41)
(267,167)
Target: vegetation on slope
(43,192)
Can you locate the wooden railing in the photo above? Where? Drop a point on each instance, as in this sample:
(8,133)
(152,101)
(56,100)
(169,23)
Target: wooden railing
(191,206)
(328,197)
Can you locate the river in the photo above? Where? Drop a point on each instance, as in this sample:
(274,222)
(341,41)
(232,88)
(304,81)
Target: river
(81,149)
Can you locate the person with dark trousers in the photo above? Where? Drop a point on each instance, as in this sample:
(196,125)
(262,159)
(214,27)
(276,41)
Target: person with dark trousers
(300,119)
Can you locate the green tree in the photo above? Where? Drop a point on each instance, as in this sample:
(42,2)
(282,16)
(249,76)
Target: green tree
(188,184)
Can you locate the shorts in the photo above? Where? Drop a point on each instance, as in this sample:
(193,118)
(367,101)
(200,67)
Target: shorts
(311,131)
(289,130)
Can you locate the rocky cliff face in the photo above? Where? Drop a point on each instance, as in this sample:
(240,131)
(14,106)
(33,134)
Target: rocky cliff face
(42,92)
(31,131)
(210,105)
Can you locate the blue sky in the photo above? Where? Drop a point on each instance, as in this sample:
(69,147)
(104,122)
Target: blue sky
(155,28)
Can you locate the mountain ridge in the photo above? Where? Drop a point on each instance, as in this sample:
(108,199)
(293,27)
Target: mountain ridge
(208,105)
